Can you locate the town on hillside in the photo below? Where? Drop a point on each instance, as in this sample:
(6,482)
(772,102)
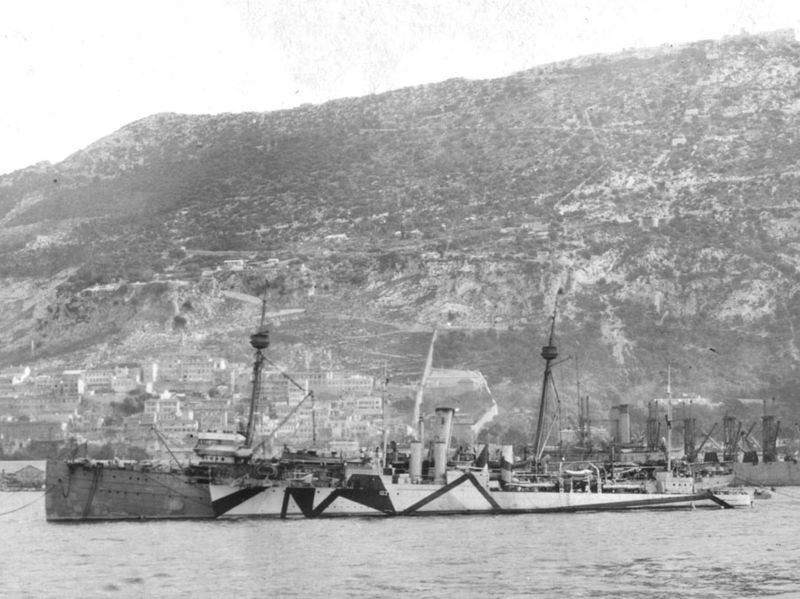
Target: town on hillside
(154,409)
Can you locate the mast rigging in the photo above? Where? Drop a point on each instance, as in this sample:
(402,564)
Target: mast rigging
(549,353)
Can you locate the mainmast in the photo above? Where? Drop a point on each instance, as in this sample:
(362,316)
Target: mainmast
(584,418)
(668,418)
(384,432)
(770,428)
(260,341)
(689,449)
(549,353)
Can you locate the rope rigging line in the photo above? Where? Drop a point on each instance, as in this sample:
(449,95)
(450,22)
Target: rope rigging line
(22,507)
(556,417)
(283,374)
(163,441)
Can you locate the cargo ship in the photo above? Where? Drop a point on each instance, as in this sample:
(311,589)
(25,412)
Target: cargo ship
(767,474)
(765,465)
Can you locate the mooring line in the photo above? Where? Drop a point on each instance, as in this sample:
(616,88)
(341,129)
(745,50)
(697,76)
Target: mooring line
(22,507)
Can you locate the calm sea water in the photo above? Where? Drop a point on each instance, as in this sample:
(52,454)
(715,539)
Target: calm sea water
(686,554)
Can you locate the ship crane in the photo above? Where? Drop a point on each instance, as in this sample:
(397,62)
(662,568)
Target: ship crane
(747,437)
(704,441)
(417,418)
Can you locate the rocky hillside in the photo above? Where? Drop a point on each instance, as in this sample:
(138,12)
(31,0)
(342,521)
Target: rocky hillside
(658,189)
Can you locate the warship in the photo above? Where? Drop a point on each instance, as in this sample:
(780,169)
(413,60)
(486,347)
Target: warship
(382,489)
(370,490)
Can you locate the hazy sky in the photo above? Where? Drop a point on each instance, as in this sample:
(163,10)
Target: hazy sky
(74,71)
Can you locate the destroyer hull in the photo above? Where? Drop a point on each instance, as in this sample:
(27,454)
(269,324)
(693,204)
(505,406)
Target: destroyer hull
(84,491)
(771,474)
(464,496)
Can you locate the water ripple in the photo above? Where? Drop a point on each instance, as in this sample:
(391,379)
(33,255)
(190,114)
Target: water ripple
(708,554)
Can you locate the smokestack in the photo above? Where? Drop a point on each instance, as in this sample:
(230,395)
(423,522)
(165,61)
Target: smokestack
(442,433)
(439,462)
(507,463)
(415,465)
(613,416)
(444,426)
(624,424)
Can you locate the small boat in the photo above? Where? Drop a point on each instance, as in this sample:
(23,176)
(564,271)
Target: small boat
(762,493)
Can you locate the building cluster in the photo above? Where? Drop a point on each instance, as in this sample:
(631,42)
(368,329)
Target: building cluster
(165,400)
(313,407)
(23,475)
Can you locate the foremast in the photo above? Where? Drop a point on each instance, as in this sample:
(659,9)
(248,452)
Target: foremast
(260,342)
